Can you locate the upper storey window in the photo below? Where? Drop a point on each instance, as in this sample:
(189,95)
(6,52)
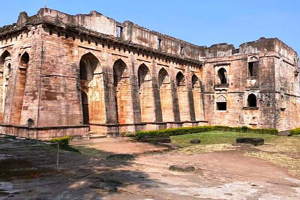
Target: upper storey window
(181,50)
(253,69)
(119,31)
(159,43)
(222,74)
(253,66)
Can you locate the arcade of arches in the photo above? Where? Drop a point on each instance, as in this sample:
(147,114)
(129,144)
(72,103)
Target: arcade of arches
(125,97)
(69,76)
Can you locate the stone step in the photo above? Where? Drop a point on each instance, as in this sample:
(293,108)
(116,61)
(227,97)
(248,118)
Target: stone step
(284,133)
(93,135)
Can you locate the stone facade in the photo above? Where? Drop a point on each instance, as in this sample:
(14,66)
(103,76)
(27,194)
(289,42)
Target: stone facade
(70,75)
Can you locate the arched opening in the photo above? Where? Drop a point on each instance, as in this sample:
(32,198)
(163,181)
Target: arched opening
(195,82)
(180,80)
(183,99)
(5,71)
(163,77)
(88,65)
(222,74)
(145,93)
(5,65)
(20,89)
(122,89)
(143,75)
(221,103)
(252,102)
(165,92)
(119,72)
(85,107)
(91,80)
(21,85)
(25,60)
(197,98)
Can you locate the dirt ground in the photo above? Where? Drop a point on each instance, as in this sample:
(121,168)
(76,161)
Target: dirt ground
(28,171)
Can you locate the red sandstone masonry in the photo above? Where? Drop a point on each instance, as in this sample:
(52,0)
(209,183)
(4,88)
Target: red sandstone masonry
(133,83)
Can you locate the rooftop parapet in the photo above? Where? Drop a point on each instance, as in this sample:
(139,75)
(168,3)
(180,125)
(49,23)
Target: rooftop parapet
(132,33)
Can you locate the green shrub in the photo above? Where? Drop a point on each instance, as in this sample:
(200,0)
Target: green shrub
(271,131)
(200,129)
(295,131)
(63,141)
(174,131)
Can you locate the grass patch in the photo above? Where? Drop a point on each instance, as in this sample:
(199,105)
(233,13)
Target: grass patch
(282,151)
(209,148)
(201,129)
(216,137)
(295,131)
(90,151)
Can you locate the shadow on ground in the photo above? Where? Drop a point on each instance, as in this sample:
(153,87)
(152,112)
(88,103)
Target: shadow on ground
(28,171)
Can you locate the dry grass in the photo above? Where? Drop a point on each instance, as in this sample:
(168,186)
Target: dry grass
(206,148)
(216,137)
(283,151)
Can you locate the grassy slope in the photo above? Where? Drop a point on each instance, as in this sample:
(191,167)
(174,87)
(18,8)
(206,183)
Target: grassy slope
(216,137)
(282,151)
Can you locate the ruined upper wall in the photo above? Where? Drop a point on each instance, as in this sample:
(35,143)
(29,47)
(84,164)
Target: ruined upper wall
(264,45)
(134,34)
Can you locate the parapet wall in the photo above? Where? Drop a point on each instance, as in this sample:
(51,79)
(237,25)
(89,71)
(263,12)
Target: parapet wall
(130,32)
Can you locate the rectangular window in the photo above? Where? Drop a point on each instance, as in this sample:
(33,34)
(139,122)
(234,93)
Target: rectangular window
(253,69)
(159,43)
(221,105)
(119,31)
(181,50)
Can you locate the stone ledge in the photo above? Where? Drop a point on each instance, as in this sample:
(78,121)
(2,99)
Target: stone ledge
(250,108)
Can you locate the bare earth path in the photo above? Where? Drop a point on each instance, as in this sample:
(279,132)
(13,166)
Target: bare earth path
(219,175)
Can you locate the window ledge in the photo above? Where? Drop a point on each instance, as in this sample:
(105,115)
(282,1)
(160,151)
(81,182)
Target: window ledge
(222,86)
(250,108)
(252,77)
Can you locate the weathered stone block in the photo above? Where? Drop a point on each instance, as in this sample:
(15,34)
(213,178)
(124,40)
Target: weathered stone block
(254,141)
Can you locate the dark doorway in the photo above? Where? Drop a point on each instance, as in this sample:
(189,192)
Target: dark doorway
(85,108)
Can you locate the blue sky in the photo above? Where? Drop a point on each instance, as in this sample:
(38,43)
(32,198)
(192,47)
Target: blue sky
(202,22)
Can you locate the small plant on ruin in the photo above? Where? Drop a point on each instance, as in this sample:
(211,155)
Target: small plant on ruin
(63,141)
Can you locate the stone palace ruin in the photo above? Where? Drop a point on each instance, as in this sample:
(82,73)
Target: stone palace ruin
(71,75)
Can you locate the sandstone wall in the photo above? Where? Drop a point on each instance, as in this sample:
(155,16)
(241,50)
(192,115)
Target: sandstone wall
(71,71)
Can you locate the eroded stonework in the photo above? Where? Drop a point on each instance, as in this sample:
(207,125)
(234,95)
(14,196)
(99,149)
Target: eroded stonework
(71,75)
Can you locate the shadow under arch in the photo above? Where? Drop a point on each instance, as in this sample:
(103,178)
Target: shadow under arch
(198,98)
(165,92)
(21,83)
(185,109)
(92,90)
(5,70)
(122,88)
(145,94)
